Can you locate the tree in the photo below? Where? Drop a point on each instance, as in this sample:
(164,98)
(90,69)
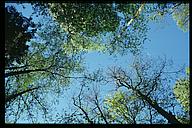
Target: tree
(125,32)
(181,91)
(147,87)
(87,17)
(98,21)
(17,33)
(28,83)
(178,11)
(140,96)
(181,15)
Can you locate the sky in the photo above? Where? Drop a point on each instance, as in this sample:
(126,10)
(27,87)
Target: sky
(164,39)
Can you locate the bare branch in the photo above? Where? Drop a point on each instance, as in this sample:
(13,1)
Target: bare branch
(98,107)
(79,105)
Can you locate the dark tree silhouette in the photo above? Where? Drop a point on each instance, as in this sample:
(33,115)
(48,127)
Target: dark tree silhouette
(17,33)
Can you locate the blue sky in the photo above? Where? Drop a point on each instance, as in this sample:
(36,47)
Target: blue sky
(165,39)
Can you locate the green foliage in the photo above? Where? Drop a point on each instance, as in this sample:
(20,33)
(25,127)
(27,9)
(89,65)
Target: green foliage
(120,107)
(93,20)
(181,16)
(183,120)
(116,105)
(88,18)
(181,91)
(187,71)
(82,44)
(178,11)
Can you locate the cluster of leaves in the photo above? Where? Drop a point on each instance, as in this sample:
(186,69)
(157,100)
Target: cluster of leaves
(181,91)
(88,18)
(181,15)
(179,12)
(94,20)
(81,44)
(17,33)
(122,108)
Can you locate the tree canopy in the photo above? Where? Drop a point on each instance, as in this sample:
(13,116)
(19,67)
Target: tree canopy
(16,34)
(45,56)
(181,91)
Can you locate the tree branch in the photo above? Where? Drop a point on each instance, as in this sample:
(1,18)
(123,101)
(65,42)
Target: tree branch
(22,72)
(80,107)
(98,107)
(136,14)
(13,96)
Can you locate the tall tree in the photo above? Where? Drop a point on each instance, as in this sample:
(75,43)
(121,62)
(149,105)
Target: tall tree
(147,87)
(46,67)
(140,96)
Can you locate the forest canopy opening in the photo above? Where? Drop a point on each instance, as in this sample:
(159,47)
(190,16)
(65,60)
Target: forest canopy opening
(97,63)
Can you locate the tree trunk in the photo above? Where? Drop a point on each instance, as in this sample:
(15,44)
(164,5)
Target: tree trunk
(171,118)
(14,96)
